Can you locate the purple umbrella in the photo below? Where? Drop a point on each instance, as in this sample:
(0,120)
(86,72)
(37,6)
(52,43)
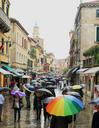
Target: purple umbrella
(15,92)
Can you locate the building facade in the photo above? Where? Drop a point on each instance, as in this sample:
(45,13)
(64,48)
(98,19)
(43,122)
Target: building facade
(19,45)
(87,27)
(4,38)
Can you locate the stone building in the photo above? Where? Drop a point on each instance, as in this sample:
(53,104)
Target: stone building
(4,38)
(19,45)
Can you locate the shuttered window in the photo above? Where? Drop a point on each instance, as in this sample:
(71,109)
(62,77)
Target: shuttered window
(97,13)
(97,34)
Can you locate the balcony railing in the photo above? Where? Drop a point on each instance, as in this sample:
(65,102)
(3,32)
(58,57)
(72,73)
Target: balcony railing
(4,21)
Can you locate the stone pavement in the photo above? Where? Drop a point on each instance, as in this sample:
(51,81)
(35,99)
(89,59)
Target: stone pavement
(84,118)
(28,119)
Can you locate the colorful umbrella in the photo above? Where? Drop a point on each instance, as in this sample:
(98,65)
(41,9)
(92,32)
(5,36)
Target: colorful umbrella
(64,105)
(21,94)
(76,87)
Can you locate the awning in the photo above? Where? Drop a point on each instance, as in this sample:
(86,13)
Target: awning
(81,70)
(72,71)
(93,70)
(12,70)
(4,72)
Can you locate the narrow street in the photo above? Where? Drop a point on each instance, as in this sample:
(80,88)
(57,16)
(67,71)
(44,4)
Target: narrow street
(28,118)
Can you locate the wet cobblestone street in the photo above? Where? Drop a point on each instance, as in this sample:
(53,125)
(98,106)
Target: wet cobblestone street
(28,117)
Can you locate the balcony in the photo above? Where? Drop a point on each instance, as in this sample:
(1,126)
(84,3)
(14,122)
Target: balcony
(4,58)
(4,22)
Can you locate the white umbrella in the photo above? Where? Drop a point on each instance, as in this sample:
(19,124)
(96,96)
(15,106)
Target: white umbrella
(26,76)
(47,100)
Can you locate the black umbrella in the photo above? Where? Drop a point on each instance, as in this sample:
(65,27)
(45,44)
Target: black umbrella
(51,86)
(44,90)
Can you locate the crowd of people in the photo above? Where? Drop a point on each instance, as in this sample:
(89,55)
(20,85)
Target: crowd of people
(38,105)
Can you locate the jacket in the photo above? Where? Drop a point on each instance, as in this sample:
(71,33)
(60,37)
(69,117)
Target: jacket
(60,122)
(95,120)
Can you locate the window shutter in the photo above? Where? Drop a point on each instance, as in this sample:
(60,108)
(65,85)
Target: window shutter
(97,34)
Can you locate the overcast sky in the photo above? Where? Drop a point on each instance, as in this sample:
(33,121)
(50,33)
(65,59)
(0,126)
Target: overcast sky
(55,19)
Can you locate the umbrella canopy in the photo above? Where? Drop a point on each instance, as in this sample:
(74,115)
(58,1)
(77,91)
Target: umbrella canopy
(33,81)
(4,88)
(28,88)
(74,94)
(49,82)
(76,87)
(95,101)
(26,77)
(68,88)
(83,85)
(64,105)
(47,100)
(51,86)
(44,90)
(21,94)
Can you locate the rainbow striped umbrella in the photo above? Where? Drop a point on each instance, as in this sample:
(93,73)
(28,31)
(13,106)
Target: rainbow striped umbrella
(64,105)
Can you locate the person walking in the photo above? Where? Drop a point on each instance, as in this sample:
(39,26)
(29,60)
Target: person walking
(1,104)
(44,104)
(37,104)
(17,107)
(60,121)
(95,119)
(28,105)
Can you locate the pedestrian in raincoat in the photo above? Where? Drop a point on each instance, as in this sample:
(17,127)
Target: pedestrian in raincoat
(95,119)
(1,104)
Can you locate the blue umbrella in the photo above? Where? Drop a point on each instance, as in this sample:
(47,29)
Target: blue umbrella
(4,88)
(94,101)
(29,88)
